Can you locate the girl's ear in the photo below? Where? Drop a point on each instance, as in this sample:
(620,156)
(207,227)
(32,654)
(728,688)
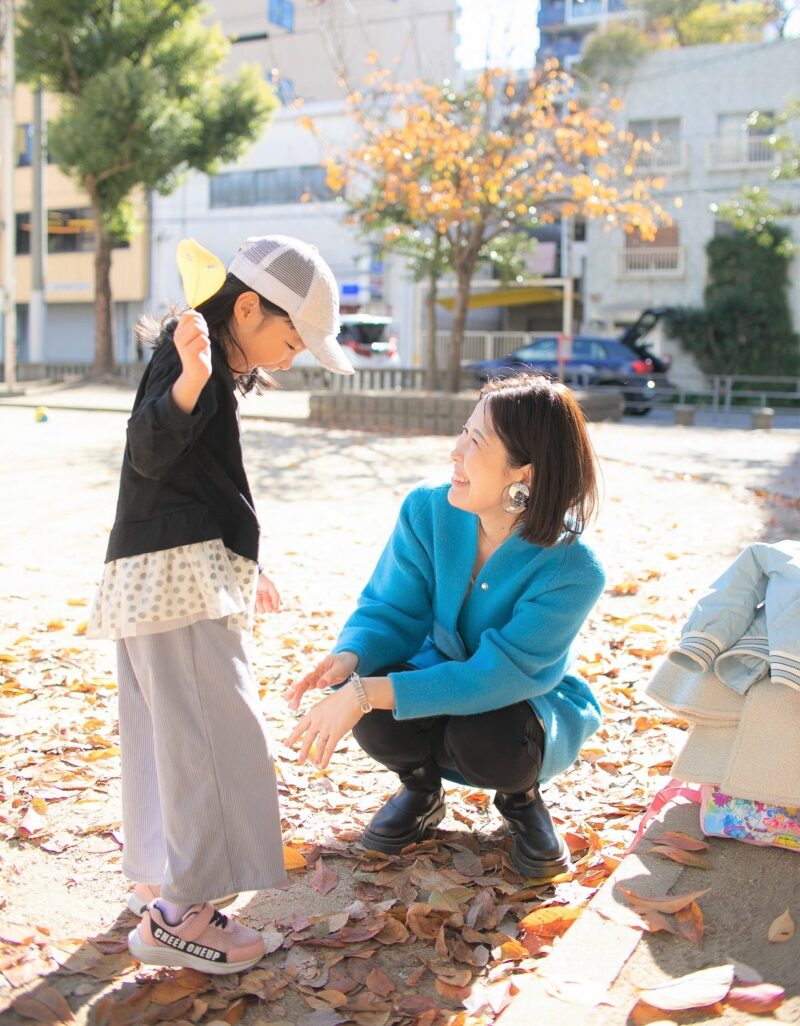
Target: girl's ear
(246,305)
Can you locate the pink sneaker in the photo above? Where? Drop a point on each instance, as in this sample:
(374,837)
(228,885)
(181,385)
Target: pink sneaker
(143,894)
(204,939)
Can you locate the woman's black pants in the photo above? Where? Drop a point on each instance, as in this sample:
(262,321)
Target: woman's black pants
(500,750)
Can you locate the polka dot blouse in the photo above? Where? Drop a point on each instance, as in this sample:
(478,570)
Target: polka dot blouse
(162,591)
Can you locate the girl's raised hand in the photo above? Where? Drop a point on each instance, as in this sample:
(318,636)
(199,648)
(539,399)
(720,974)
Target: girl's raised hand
(194,347)
(333,669)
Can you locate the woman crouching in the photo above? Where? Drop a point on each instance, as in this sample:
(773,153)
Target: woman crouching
(456,661)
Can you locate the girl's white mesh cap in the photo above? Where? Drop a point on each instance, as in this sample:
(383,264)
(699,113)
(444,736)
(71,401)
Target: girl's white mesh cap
(292,275)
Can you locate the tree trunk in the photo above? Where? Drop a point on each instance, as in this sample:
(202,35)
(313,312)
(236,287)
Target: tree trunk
(103,305)
(431,365)
(460,311)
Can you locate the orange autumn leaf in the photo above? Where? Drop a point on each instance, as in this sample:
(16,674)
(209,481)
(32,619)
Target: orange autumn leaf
(293,859)
(551,921)
(686,858)
(667,903)
(690,923)
(678,839)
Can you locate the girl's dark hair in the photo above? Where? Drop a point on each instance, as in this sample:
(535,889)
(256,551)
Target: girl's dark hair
(539,421)
(218,313)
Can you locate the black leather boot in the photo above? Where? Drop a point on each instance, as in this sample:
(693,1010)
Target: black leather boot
(409,814)
(538,851)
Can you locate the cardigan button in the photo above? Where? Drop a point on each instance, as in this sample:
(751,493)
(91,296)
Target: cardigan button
(484,586)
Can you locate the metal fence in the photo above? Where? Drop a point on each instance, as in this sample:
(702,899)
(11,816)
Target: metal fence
(717,394)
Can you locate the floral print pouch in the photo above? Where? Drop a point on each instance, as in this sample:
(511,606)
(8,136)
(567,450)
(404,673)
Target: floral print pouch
(722,815)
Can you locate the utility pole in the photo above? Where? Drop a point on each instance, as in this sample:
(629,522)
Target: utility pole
(9,217)
(38,308)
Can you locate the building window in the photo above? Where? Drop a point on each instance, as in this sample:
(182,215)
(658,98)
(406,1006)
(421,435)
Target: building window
(269,187)
(664,128)
(664,136)
(740,143)
(68,231)
(663,257)
(23,144)
(281,13)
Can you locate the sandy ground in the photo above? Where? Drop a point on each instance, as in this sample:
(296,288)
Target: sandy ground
(327,501)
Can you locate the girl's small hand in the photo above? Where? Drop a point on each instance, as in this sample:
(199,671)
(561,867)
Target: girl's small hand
(267,598)
(332,670)
(194,347)
(325,724)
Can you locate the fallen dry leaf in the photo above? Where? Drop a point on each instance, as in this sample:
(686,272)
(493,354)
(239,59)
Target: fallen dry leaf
(379,983)
(678,839)
(323,879)
(686,858)
(690,923)
(760,998)
(44,1004)
(667,903)
(781,929)
(695,990)
(292,858)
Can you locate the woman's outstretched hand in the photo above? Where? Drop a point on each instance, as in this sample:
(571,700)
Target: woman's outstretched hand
(325,724)
(334,669)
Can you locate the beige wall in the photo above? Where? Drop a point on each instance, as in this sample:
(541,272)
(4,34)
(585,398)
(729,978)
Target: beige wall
(69,277)
(415,38)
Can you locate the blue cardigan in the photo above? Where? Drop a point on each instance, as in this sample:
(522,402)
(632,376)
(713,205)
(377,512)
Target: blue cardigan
(505,641)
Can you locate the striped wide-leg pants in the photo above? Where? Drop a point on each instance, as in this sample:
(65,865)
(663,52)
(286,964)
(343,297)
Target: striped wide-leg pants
(199,796)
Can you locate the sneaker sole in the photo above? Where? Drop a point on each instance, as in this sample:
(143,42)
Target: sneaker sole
(160,954)
(374,842)
(138,907)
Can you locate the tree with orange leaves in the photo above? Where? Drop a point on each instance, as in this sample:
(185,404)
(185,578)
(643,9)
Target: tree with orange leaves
(452,178)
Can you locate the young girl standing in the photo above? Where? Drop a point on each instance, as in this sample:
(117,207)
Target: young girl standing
(180,584)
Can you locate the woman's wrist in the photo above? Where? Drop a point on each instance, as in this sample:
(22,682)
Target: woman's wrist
(379,692)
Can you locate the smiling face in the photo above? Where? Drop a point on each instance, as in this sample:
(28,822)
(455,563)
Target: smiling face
(265,341)
(481,472)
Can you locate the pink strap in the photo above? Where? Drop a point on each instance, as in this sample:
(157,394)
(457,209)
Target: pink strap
(668,795)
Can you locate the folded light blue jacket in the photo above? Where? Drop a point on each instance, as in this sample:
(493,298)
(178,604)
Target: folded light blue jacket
(747,625)
(505,640)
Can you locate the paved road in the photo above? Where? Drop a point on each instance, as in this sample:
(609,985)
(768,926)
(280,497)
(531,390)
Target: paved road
(730,453)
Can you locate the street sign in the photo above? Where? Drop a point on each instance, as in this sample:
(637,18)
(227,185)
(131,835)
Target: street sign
(564,350)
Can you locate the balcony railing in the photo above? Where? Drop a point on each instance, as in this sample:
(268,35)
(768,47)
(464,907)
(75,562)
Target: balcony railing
(740,151)
(667,155)
(588,10)
(650,262)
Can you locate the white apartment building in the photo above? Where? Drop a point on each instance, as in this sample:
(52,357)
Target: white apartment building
(698,100)
(279,185)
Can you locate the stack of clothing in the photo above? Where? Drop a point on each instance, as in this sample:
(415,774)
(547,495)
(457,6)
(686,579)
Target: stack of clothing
(735,676)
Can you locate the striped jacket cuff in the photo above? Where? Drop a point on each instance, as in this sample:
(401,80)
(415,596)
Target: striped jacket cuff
(785,669)
(752,646)
(701,648)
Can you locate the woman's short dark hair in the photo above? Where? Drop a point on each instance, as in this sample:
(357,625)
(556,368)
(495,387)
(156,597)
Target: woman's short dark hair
(218,313)
(539,421)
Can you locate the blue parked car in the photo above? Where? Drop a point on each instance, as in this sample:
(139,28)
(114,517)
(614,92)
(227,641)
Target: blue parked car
(594,362)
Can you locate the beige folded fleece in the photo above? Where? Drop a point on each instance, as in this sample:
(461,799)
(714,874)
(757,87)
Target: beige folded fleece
(700,697)
(755,758)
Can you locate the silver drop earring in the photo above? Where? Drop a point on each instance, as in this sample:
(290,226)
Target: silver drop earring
(517,496)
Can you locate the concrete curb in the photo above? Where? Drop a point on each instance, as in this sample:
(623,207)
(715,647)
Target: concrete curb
(592,954)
